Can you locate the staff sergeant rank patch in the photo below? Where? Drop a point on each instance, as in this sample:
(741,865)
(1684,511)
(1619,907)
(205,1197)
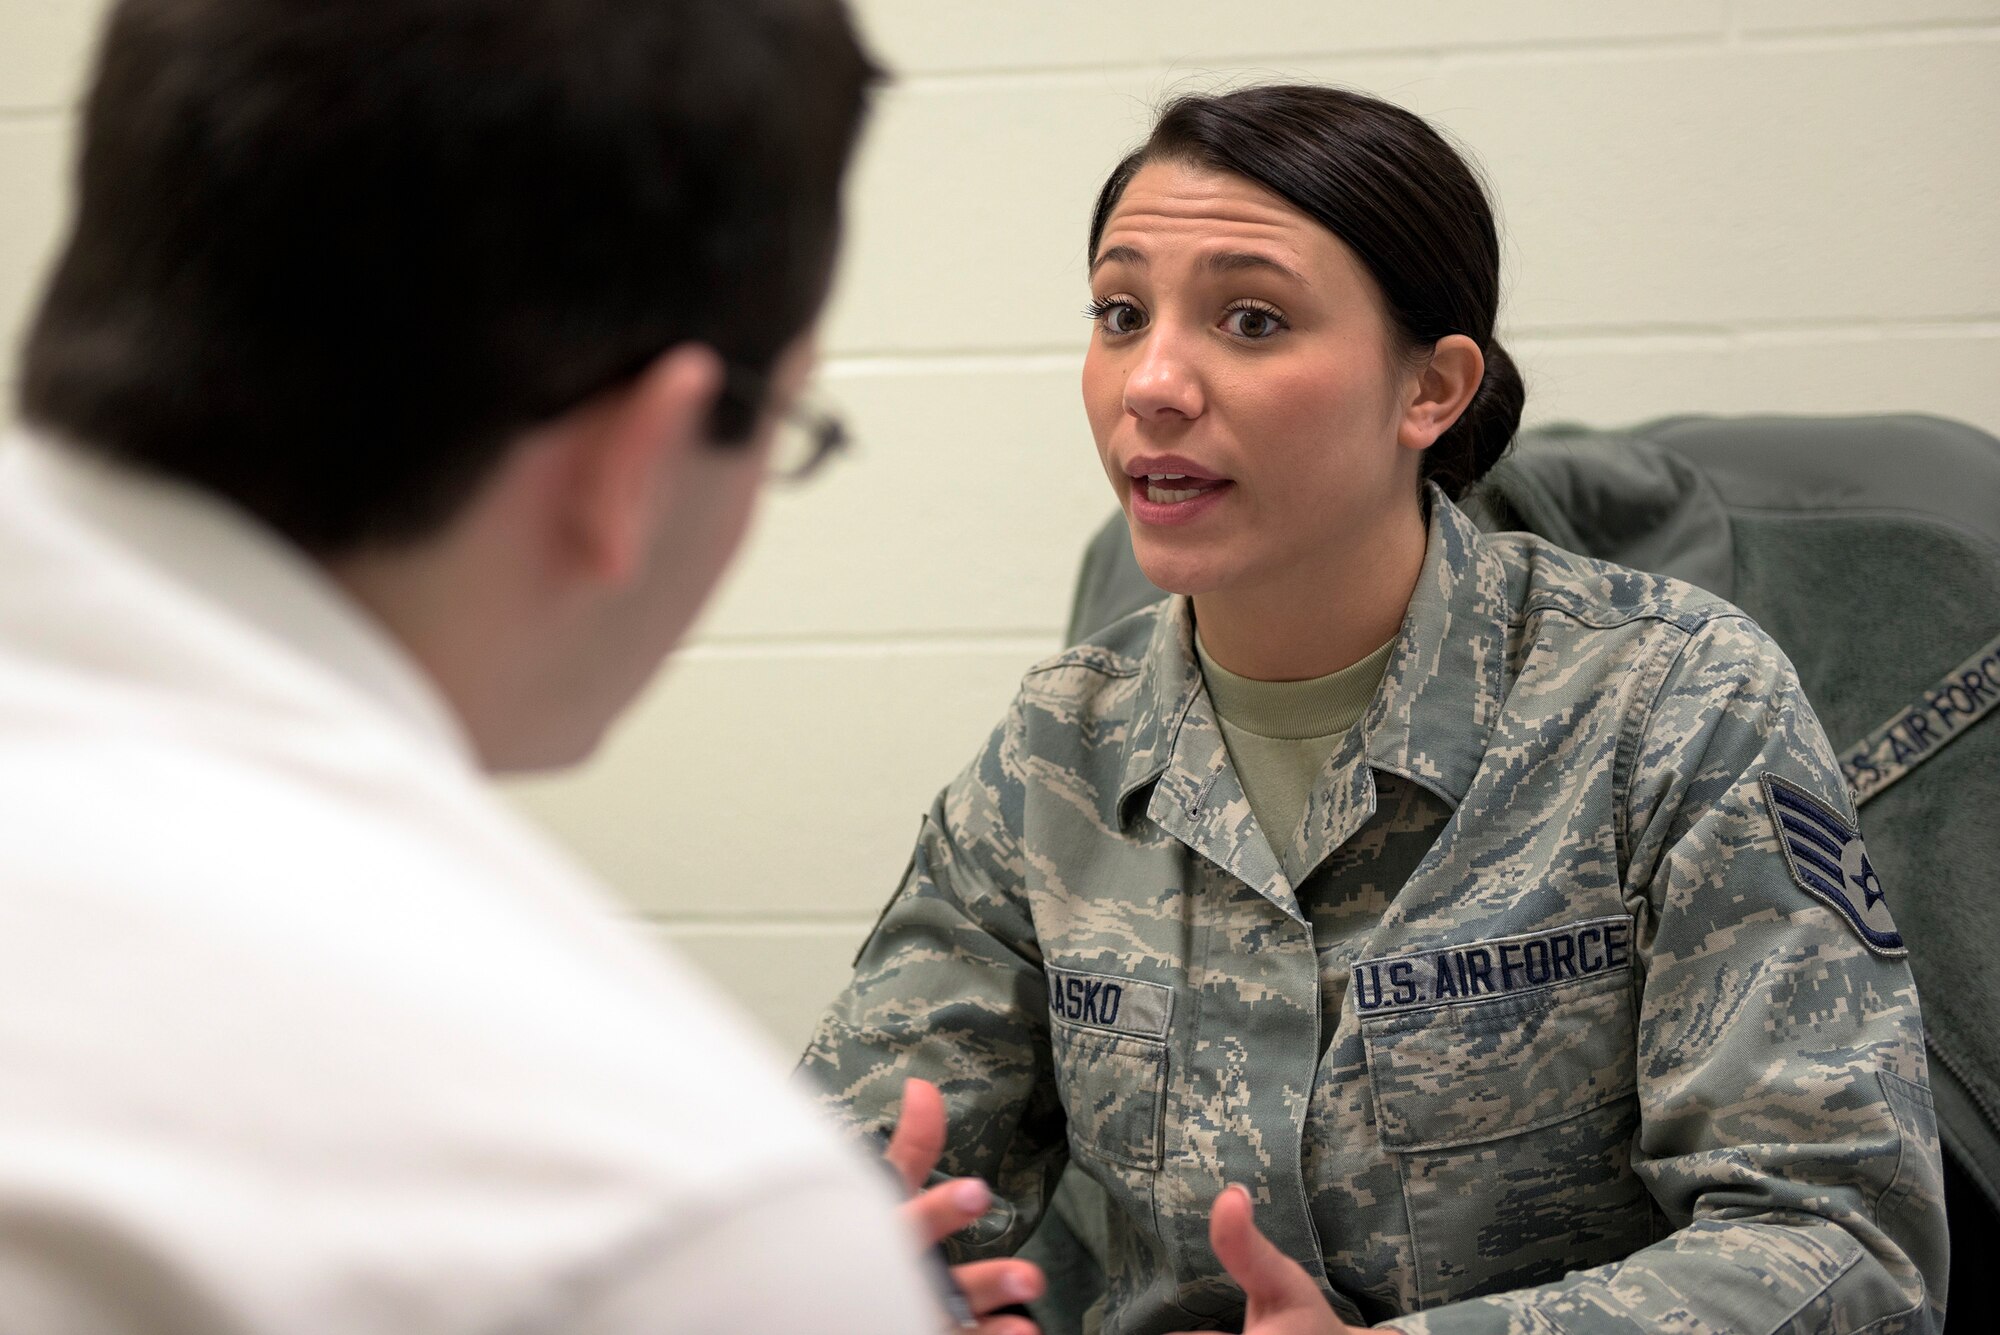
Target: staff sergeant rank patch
(1827,860)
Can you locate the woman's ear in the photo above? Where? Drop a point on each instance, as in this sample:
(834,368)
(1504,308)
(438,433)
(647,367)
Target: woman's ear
(1441,389)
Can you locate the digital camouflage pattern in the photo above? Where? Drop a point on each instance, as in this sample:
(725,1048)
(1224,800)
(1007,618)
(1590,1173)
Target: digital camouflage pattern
(1549,1040)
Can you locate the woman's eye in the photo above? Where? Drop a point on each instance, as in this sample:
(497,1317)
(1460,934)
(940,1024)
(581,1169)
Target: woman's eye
(1116,317)
(1253,322)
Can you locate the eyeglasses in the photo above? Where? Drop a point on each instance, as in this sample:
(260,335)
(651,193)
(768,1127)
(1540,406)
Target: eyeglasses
(810,434)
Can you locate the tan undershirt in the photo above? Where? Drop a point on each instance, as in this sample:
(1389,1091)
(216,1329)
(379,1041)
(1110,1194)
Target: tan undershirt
(1280,735)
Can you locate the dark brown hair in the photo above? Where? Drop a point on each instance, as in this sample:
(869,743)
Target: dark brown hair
(330,259)
(1402,199)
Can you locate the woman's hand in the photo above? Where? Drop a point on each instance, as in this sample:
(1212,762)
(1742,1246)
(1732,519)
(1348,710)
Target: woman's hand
(943,1210)
(1283,1298)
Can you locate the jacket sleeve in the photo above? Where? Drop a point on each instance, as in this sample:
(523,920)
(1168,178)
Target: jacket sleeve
(949,988)
(1786,1128)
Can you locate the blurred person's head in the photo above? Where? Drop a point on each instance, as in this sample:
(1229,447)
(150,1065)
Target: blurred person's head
(1295,289)
(491,306)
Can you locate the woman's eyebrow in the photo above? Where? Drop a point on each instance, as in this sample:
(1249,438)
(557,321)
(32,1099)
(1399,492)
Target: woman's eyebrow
(1223,261)
(1230,261)
(1118,255)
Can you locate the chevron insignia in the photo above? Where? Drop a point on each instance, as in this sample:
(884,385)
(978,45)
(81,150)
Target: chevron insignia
(1829,862)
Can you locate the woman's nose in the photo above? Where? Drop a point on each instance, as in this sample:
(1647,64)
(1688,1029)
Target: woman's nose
(1163,381)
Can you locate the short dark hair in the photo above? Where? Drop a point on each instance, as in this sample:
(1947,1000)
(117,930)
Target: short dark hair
(329,259)
(1402,199)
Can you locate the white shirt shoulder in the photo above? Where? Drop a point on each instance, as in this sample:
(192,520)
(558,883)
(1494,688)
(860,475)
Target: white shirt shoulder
(300,1029)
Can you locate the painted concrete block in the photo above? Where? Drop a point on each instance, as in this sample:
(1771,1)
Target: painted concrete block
(782,977)
(756,781)
(919,37)
(47,46)
(1790,16)
(1707,190)
(968,499)
(1949,372)
(34,160)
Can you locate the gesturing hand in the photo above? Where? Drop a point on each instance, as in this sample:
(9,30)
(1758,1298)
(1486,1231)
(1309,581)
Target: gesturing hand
(943,1210)
(1283,1298)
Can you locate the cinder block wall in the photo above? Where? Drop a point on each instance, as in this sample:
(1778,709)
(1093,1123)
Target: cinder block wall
(1709,206)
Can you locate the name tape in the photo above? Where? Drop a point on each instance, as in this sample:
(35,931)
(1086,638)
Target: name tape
(1967,694)
(1492,968)
(1119,1005)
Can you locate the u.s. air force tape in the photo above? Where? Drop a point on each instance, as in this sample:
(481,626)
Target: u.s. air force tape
(1829,862)
(1479,970)
(1968,693)
(1102,1001)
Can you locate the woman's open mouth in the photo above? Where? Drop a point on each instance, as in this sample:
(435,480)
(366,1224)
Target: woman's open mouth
(1171,491)
(1173,488)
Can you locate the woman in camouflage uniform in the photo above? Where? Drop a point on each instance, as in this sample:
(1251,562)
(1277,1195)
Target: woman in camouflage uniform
(1495,917)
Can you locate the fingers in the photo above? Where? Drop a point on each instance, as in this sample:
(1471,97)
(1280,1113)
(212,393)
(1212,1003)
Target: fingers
(989,1285)
(946,1208)
(913,1151)
(1274,1284)
(918,1140)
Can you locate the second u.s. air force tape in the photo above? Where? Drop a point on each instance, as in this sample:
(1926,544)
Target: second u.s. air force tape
(1968,693)
(1104,1001)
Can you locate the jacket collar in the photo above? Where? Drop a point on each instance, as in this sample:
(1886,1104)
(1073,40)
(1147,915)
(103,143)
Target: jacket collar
(1429,721)
(1441,697)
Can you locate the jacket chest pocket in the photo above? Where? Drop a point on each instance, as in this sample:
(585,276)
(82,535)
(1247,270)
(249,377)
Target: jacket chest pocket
(1512,1119)
(1114,1089)
(1109,1041)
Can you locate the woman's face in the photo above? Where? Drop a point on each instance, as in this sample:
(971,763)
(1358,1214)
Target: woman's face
(1244,386)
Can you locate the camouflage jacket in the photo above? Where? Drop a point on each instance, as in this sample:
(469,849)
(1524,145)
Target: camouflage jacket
(1590,1016)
